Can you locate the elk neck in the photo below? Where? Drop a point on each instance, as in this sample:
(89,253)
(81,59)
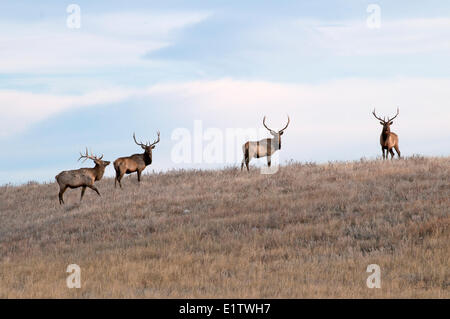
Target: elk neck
(147,157)
(276,142)
(99,171)
(385,133)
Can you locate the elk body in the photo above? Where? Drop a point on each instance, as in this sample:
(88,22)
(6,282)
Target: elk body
(83,177)
(263,148)
(134,163)
(388,139)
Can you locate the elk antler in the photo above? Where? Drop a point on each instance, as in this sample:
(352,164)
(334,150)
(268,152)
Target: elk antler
(140,144)
(289,120)
(148,143)
(87,156)
(156,141)
(378,118)
(398,111)
(264,123)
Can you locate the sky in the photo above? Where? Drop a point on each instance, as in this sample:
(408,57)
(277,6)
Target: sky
(196,70)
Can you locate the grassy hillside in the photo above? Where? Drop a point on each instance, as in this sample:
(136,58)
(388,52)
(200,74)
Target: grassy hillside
(307,231)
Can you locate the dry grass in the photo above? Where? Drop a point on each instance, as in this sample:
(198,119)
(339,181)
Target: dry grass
(308,231)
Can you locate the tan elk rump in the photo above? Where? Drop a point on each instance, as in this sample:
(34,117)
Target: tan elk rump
(388,139)
(134,163)
(263,148)
(83,177)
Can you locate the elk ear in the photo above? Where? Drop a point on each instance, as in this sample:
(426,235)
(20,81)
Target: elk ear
(381,123)
(153,146)
(391,122)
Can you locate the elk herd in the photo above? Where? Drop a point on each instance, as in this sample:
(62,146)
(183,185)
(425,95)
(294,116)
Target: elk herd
(85,177)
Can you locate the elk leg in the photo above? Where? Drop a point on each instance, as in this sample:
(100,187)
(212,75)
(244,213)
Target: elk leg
(60,195)
(119,178)
(382,150)
(269,161)
(95,189)
(139,175)
(83,189)
(244,161)
(397,150)
(246,157)
(392,153)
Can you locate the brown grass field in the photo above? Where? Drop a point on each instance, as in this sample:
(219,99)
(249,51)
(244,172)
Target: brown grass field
(309,231)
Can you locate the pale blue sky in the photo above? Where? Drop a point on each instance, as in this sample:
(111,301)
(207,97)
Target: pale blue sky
(146,66)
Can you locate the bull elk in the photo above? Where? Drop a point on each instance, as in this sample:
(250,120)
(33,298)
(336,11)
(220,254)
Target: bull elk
(83,177)
(263,148)
(134,163)
(388,139)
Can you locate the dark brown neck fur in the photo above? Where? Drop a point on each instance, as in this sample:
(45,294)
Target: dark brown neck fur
(99,170)
(385,133)
(147,158)
(276,142)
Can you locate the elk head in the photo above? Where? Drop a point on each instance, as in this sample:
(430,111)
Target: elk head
(276,135)
(148,146)
(386,123)
(97,160)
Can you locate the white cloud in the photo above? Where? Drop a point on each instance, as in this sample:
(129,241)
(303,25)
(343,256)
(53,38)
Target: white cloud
(338,98)
(19,109)
(407,36)
(331,110)
(330,120)
(138,25)
(122,39)
(332,113)
(107,40)
(294,39)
